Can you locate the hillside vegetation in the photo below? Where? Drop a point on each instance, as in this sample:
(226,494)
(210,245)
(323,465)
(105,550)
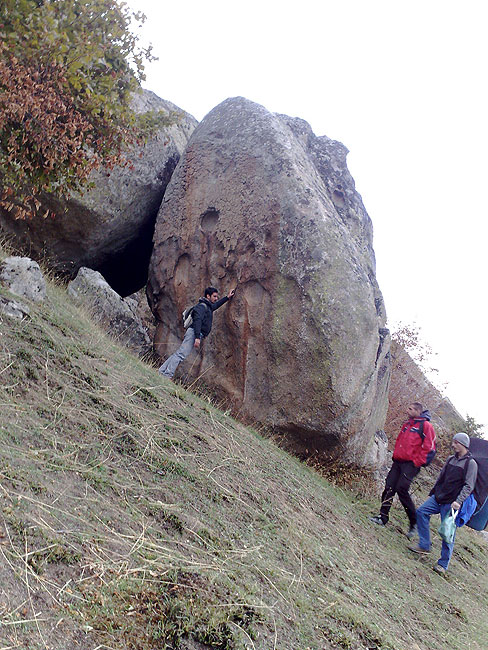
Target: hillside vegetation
(137,515)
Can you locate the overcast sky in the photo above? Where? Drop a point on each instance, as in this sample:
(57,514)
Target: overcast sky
(403,86)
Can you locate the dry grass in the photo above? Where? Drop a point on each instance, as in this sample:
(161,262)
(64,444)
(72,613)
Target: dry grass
(134,514)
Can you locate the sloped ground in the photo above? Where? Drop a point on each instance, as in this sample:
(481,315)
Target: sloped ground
(135,515)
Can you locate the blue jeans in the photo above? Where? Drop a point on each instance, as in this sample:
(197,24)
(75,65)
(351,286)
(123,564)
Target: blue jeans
(169,366)
(424,513)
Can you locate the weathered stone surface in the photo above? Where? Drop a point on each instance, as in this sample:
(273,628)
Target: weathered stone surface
(23,277)
(377,453)
(140,306)
(259,200)
(13,308)
(110,227)
(117,316)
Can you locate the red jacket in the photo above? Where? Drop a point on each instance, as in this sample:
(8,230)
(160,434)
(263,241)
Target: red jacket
(409,445)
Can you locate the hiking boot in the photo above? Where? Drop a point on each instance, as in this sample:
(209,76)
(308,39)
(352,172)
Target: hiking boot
(378,520)
(439,569)
(418,549)
(412,532)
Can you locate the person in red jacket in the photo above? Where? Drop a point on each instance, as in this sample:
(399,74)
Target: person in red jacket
(410,453)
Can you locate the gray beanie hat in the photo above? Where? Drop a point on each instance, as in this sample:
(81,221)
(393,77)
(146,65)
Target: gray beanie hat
(462,438)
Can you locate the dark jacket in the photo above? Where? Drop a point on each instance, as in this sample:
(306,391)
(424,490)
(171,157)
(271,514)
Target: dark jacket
(203,316)
(456,480)
(409,445)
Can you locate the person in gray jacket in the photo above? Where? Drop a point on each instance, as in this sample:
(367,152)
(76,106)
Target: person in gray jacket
(453,486)
(202,318)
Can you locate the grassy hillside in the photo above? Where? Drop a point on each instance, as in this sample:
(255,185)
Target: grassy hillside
(134,514)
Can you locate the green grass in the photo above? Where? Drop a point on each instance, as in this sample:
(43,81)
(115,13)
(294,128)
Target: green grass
(134,514)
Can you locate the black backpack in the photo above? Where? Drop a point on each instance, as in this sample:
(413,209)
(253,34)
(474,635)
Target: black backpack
(478,449)
(431,454)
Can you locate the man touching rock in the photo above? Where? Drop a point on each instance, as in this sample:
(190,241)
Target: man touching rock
(202,318)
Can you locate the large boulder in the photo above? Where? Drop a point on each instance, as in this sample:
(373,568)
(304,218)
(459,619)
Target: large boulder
(116,315)
(109,228)
(140,307)
(258,200)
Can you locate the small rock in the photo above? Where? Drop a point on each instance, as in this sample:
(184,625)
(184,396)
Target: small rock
(13,309)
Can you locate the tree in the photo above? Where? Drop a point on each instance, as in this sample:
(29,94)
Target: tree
(410,356)
(409,338)
(472,428)
(68,69)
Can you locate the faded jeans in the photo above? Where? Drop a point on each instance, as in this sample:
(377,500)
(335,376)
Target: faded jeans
(424,513)
(169,366)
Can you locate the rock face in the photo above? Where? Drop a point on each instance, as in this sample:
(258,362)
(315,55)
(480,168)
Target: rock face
(259,201)
(23,277)
(140,307)
(110,227)
(117,316)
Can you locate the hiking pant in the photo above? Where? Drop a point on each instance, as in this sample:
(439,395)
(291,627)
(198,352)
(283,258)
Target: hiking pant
(398,482)
(424,513)
(169,366)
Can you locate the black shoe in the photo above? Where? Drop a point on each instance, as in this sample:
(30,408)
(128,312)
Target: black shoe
(378,520)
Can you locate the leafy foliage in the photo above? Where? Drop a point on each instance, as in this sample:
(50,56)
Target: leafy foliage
(409,337)
(472,428)
(68,70)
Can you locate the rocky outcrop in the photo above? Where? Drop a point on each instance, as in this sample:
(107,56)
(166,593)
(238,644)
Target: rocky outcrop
(23,277)
(377,453)
(110,227)
(140,307)
(115,315)
(259,201)
(409,384)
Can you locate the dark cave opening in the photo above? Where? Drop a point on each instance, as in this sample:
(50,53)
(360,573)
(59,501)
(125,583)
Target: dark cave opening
(127,271)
